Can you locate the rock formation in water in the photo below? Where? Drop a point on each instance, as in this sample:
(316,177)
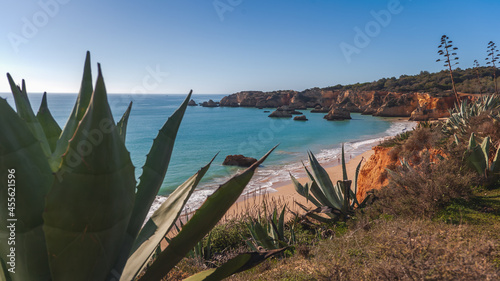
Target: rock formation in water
(239,160)
(210,103)
(300,118)
(338,113)
(192,103)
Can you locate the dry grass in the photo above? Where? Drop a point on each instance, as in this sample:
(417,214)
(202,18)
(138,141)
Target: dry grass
(391,250)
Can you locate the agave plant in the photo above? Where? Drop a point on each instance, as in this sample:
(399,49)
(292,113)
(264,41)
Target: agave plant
(78,213)
(477,157)
(458,122)
(269,233)
(336,201)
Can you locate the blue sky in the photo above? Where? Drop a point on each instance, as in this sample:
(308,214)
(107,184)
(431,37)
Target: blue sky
(225,46)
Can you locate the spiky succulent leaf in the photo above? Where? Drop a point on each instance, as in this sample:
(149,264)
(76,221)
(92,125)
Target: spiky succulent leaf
(485,147)
(260,235)
(237,264)
(205,218)
(81,105)
(3,271)
(160,224)
(344,169)
(495,164)
(26,113)
(21,151)
(122,124)
(476,156)
(155,168)
(89,205)
(322,178)
(49,125)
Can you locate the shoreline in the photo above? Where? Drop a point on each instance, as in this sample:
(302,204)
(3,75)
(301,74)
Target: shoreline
(284,192)
(271,183)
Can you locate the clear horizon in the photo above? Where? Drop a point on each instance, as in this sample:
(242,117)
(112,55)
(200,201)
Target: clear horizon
(227,46)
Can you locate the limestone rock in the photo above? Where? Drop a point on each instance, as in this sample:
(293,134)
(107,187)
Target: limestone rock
(282,112)
(209,103)
(192,103)
(401,106)
(338,114)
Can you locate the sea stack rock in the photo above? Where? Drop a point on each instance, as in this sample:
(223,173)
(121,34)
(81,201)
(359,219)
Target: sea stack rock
(300,118)
(209,103)
(319,109)
(192,103)
(338,114)
(282,112)
(239,160)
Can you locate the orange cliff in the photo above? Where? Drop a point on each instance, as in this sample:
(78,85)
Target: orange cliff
(373,174)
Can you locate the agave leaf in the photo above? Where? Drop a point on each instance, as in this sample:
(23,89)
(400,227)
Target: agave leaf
(25,111)
(49,125)
(322,178)
(155,168)
(81,105)
(262,236)
(122,124)
(281,224)
(205,218)
(160,224)
(3,271)
(89,205)
(476,156)
(313,188)
(21,151)
(344,169)
(495,165)
(304,190)
(485,147)
(235,265)
(353,195)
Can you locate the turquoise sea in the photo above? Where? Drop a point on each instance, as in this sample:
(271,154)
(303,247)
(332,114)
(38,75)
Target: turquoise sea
(248,131)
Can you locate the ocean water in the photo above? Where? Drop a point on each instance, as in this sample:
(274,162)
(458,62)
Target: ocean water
(205,132)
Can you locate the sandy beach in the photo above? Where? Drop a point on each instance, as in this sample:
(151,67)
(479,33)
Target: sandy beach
(285,192)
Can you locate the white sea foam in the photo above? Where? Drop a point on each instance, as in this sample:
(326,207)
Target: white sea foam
(266,179)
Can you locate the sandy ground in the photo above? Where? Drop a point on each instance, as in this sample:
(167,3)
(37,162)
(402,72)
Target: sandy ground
(286,194)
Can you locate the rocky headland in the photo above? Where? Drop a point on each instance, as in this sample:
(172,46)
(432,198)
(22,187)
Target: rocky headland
(417,106)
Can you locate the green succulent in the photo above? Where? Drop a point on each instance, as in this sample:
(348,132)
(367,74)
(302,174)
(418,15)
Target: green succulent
(79,211)
(336,201)
(458,122)
(478,157)
(269,233)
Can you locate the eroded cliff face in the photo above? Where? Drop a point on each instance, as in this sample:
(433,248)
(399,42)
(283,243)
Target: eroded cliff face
(430,108)
(373,174)
(418,106)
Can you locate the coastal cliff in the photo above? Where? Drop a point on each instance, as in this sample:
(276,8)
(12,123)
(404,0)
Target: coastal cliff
(416,105)
(373,174)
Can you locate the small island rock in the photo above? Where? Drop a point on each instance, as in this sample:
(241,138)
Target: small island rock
(192,103)
(210,103)
(300,118)
(239,160)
